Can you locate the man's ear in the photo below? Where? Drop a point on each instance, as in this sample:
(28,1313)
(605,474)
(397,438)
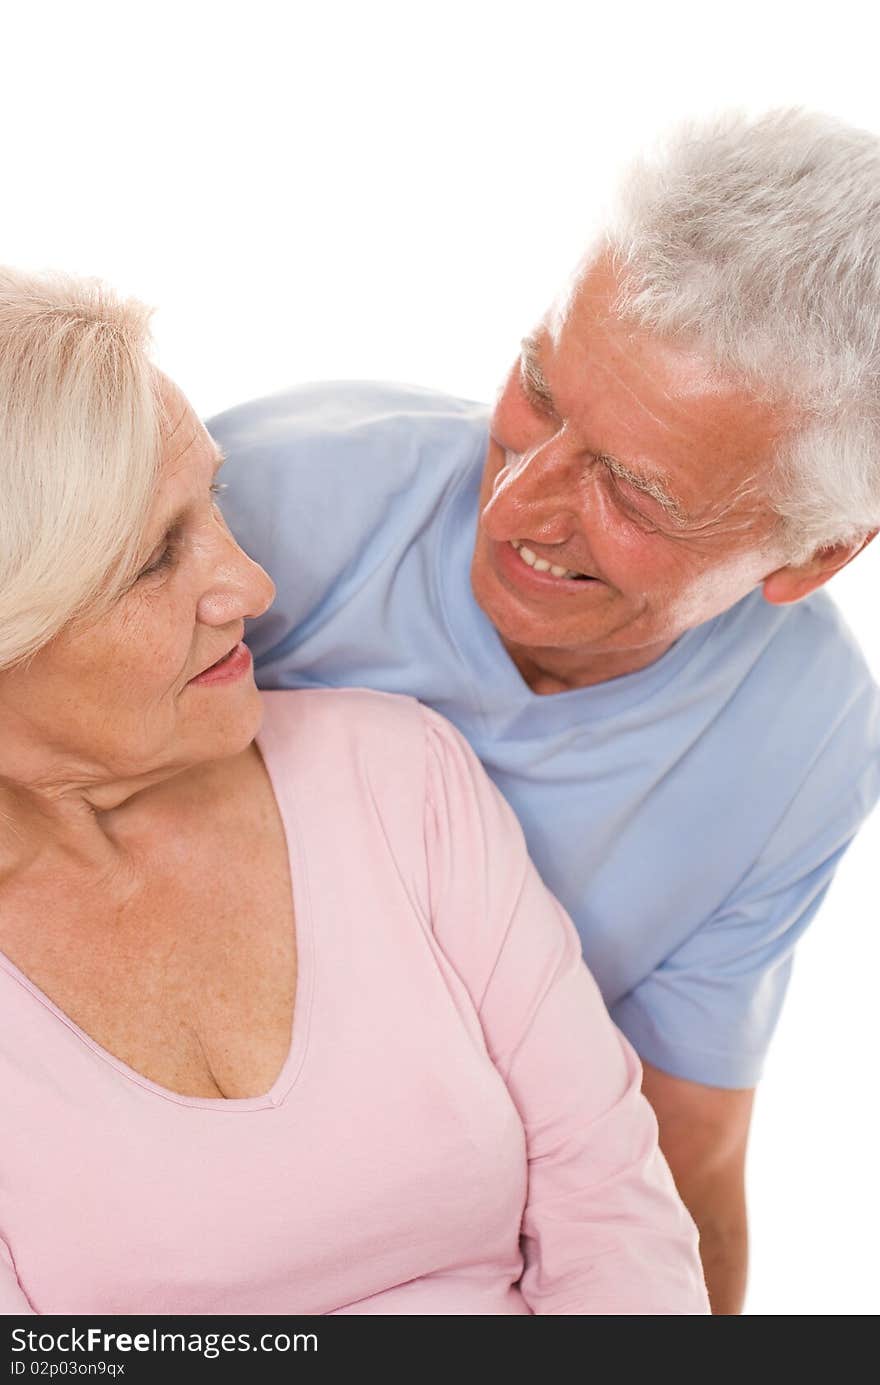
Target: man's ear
(793,583)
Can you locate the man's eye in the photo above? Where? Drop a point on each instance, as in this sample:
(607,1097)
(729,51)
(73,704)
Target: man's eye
(630,498)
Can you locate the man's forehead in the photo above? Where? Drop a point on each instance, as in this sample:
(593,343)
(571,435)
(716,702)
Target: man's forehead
(671,380)
(584,316)
(591,288)
(652,409)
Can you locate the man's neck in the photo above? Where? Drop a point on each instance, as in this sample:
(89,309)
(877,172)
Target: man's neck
(548,671)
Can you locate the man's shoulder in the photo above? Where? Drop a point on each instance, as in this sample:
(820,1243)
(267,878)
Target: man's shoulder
(348,420)
(802,674)
(807,639)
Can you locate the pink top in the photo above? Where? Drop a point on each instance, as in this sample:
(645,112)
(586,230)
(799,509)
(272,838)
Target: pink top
(458,1127)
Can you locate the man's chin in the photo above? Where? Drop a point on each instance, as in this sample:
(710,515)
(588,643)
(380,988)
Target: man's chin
(508,611)
(520,629)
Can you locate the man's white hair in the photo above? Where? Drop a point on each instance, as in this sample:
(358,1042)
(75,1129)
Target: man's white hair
(80,445)
(757,241)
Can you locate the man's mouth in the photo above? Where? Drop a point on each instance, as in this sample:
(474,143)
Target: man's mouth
(542,565)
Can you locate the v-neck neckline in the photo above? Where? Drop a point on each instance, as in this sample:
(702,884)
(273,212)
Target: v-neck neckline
(303,925)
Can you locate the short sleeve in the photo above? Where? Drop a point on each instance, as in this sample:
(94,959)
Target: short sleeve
(603,1230)
(13,1300)
(709,1011)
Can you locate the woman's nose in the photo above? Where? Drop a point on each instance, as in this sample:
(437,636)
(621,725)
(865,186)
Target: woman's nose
(241,588)
(256,588)
(263,591)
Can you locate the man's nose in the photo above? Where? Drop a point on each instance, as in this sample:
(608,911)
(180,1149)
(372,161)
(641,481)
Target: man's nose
(533,496)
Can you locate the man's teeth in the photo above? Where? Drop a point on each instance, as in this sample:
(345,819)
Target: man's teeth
(541,564)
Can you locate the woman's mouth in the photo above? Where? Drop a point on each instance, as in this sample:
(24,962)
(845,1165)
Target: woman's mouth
(230,667)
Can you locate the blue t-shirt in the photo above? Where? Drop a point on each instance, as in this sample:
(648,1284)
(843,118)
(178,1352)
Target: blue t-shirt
(689,816)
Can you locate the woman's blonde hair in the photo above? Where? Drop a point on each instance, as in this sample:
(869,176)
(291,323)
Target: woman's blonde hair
(81,421)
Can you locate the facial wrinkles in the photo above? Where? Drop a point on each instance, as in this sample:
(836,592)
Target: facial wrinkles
(564,319)
(584,316)
(180,418)
(721,519)
(171,471)
(723,523)
(172,526)
(717,516)
(656,486)
(646,375)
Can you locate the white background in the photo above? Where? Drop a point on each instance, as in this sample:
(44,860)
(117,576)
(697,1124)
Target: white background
(394,191)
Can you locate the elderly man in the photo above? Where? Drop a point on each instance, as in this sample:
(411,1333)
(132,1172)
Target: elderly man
(611,586)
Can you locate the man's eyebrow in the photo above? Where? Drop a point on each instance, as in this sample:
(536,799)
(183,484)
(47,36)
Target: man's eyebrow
(175,523)
(532,371)
(653,486)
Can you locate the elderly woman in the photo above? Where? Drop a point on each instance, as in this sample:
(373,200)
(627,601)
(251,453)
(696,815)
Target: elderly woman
(290,1024)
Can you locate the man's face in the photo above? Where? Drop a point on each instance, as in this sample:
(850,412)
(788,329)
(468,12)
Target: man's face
(618,457)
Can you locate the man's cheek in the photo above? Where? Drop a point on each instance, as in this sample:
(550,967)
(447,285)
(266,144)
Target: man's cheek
(627,560)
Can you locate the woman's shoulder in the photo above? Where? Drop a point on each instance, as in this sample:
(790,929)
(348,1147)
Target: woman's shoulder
(339,714)
(345,730)
(353,767)
(345,743)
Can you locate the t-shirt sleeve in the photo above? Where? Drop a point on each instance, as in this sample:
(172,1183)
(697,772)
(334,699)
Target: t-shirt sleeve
(727,982)
(13,1301)
(603,1229)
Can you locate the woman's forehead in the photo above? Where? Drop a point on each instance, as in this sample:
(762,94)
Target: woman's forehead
(175,408)
(180,425)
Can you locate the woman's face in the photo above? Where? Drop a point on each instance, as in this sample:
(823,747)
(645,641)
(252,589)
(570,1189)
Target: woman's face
(107,707)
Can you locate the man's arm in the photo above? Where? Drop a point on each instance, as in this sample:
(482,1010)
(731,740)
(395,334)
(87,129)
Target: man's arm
(603,1230)
(703,1135)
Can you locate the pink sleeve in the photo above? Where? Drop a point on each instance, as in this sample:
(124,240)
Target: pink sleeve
(604,1230)
(12,1298)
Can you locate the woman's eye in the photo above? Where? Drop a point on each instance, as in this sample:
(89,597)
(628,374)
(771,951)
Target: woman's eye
(169,553)
(162,562)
